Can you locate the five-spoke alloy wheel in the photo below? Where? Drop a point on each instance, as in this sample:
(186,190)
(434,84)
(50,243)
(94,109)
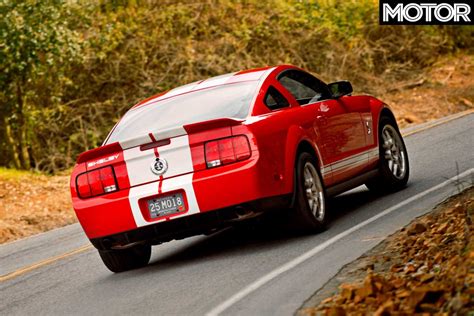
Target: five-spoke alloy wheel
(310,199)
(393,163)
(314,191)
(394,151)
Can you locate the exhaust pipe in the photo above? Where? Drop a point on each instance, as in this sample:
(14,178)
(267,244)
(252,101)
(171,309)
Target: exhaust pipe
(243,213)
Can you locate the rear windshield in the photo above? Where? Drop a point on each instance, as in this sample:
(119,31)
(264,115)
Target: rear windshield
(225,101)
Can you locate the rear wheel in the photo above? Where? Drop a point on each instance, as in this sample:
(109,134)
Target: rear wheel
(310,202)
(393,166)
(126,259)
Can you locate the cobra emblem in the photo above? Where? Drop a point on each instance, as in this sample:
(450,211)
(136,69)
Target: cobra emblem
(159,166)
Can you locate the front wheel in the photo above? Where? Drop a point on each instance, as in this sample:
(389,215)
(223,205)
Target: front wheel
(310,202)
(126,259)
(394,167)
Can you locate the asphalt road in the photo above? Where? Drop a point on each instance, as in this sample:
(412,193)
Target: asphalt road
(234,272)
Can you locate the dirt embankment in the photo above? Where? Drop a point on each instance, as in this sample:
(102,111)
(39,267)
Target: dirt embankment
(446,88)
(426,268)
(31,203)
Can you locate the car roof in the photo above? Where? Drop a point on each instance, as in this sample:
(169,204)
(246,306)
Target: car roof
(256,74)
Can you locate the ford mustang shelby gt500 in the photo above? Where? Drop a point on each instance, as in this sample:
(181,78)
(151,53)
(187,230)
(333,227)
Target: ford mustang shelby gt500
(218,151)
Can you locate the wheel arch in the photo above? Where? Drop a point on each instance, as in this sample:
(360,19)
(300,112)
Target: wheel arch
(304,145)
(386,112)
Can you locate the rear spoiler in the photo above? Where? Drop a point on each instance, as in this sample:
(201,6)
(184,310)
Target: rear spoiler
(217,123)
(98,152)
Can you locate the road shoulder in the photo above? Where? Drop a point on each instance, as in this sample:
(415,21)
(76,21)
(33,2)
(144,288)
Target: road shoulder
(424,267)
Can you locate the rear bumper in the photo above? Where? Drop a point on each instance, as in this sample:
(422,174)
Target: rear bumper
(192,225)
(179,228)
(214,191)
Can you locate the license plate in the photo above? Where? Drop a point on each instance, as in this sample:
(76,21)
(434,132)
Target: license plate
(166,205)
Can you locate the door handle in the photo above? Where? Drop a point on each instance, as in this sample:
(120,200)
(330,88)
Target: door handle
(368,127)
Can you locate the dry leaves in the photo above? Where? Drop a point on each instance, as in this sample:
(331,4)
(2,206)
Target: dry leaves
(426,268)
(30,204)
(448,89)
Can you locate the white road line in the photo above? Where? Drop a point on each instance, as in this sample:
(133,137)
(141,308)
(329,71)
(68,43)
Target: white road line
(307,255)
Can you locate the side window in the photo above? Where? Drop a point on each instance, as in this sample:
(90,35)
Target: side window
(304,87)
(274,100)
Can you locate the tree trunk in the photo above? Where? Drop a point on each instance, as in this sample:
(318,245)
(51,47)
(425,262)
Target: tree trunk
(21,131)
(11,144)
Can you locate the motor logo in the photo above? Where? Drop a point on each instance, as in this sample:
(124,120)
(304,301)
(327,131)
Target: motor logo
(444,12)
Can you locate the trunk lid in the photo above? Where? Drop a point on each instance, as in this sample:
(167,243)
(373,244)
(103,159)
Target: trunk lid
(177,151)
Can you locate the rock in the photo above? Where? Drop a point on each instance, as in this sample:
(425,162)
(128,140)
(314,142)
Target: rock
(416,228)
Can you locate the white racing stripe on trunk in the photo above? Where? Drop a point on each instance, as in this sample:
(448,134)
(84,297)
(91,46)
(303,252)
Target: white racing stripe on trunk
(145,183)
(177,154)
(160,135)
(184,182)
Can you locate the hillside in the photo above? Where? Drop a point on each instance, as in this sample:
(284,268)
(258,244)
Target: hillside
(70,69)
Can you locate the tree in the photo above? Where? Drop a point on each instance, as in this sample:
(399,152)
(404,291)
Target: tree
(36,48)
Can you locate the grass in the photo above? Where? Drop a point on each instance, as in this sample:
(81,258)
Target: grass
(13,174)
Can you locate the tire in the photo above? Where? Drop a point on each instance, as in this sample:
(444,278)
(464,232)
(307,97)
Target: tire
(309,213)
(126,259)
(394,167)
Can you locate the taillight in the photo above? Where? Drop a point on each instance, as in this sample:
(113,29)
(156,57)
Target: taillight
(227,150)
(96,182)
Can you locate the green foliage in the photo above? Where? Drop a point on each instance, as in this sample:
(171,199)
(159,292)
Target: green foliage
(13,174)
(81,65)
(37,45)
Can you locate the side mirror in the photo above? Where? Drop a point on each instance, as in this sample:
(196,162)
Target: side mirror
(340,88)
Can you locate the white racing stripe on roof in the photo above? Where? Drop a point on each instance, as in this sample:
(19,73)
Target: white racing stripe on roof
(210,82)
(214,81)
(180,90)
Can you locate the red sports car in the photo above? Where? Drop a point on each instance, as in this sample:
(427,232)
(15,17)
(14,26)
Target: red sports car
(218,151)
